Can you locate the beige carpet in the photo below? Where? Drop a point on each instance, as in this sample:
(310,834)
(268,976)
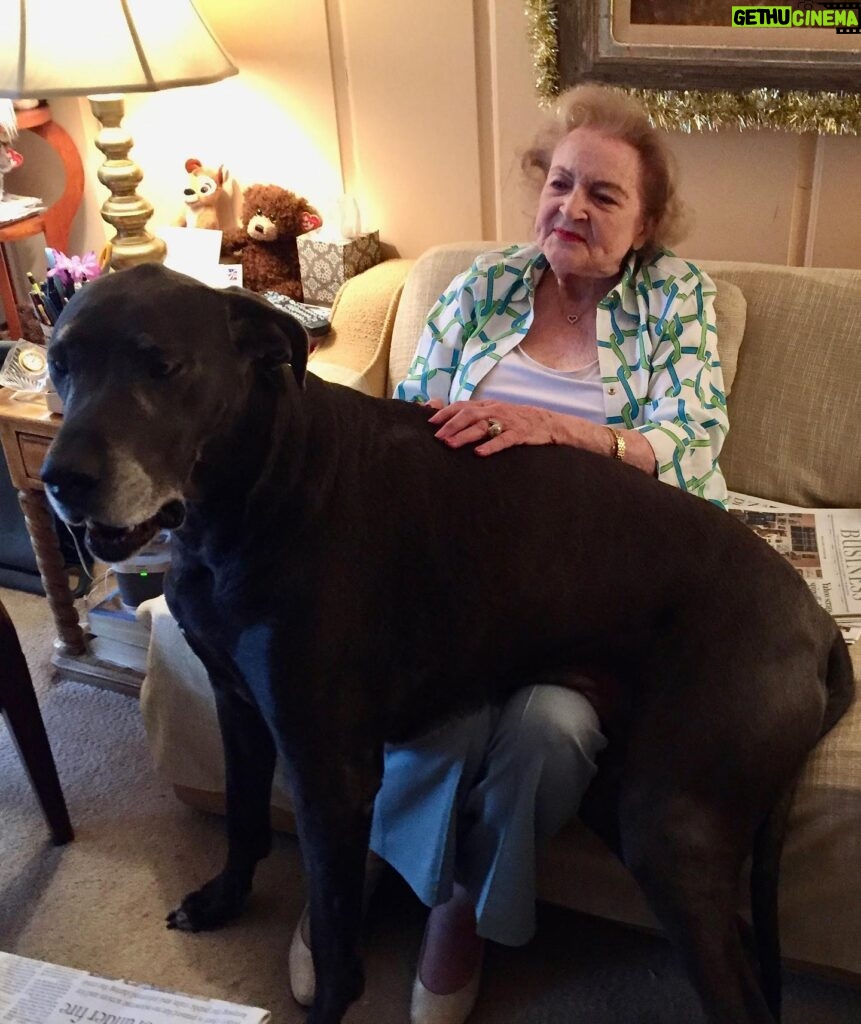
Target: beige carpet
(99,902)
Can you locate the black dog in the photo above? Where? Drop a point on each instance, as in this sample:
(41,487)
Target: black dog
(348,580)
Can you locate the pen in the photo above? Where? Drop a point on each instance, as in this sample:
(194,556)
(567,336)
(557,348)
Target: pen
(39,307)
(42,300)
(54,291)
(50,304)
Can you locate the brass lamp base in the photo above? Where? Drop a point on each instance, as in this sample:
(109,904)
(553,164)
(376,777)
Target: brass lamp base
(125,210)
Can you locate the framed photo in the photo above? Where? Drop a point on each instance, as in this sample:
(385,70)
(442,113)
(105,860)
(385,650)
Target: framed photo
(664,44)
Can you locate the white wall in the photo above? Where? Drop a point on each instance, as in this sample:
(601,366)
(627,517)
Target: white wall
(418,110)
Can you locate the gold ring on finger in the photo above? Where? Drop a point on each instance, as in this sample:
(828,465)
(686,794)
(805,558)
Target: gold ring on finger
(494,428)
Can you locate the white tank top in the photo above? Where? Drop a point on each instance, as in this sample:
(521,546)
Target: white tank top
(520,379)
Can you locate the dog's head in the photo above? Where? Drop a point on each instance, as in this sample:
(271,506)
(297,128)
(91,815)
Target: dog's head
(151,365)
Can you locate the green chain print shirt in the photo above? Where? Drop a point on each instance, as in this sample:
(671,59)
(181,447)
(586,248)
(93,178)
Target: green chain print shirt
(657,353)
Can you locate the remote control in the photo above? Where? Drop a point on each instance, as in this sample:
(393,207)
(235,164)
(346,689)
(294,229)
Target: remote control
(315,319)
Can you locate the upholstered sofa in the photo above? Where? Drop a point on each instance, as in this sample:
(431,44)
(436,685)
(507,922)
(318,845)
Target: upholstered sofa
(790,343)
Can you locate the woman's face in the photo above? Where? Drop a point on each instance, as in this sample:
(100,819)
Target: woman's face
(590,214)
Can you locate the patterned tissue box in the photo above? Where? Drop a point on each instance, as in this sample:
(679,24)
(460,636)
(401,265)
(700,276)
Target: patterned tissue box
(326,264)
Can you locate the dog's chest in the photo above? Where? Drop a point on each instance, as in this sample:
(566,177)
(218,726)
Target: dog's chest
(212,605)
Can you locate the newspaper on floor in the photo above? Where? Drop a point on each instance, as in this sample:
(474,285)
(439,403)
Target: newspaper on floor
(35,992)
(824,545)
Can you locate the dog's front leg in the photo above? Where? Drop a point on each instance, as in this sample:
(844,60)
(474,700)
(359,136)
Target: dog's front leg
(334,801)
(249,755)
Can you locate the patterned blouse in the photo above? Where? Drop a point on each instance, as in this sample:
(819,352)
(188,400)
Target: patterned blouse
(657,353)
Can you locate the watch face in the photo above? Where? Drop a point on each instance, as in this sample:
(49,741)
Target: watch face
(31,360)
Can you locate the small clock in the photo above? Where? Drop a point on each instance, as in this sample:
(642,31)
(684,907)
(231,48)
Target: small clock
(32,360)
(25,368)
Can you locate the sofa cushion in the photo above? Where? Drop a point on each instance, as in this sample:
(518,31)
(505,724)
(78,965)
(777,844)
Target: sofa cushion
(335,373)
(438,266)
(356,350)
(794,407)
(431,273)
(730,316)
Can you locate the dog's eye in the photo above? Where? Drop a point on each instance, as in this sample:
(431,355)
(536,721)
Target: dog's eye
(57,367)
(162,369)
(259,212)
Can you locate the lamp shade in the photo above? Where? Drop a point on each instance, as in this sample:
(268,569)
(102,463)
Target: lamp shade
(105,46)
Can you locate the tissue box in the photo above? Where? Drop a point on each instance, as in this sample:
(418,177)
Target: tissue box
(326,264)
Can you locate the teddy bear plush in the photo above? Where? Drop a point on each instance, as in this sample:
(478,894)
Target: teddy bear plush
(265,244)
(204,197)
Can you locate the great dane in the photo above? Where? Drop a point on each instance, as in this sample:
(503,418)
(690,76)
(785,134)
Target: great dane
(347,580)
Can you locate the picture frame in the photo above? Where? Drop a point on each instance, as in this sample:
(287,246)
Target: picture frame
(612,41)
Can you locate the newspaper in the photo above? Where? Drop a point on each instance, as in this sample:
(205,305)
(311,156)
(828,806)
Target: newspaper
(824,545)
(14,208)
(35,992)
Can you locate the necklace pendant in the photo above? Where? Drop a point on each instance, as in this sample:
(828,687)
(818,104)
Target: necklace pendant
(572,318)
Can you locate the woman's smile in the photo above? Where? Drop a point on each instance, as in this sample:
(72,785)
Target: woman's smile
(568,236)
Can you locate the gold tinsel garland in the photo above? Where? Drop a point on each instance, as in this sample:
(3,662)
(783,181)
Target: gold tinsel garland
(828,113)
(545,46)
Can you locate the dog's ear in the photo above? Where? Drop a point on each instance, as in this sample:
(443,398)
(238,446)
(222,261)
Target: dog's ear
(265,334)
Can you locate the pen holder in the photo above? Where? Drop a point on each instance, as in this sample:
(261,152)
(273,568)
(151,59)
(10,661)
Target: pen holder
(53,401)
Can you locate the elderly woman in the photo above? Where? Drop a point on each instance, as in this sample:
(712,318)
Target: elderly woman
(598,337)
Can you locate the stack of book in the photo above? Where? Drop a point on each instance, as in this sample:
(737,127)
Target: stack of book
(118,636)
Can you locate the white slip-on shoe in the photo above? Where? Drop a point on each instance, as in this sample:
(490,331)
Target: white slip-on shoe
(431,1008)
(301,965)
(300,961)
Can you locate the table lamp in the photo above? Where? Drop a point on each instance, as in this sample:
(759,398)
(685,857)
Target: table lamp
(101,49)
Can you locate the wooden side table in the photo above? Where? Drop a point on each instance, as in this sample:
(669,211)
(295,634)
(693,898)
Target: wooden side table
(26,432)
(56,221)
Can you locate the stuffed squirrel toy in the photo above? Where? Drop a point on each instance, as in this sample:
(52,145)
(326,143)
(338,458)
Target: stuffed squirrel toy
(265,244)
(203,195)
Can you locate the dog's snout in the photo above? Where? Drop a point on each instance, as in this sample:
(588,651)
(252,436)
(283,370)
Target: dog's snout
(70,487)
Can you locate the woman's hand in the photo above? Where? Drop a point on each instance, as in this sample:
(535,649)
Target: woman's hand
(470,422)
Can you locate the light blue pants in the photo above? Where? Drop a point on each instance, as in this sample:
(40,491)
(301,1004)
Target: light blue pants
(468,801)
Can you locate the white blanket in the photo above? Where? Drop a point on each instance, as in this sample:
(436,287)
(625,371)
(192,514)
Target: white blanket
(179,713)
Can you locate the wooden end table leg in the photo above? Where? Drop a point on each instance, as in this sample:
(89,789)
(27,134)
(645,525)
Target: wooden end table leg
(49,558)
(7,297)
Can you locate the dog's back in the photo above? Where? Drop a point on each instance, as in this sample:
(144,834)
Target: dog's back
(531,560)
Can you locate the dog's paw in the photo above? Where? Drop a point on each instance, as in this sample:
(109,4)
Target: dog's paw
(209,907)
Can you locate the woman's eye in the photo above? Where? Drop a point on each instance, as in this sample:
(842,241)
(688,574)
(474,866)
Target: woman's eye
(606,200)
